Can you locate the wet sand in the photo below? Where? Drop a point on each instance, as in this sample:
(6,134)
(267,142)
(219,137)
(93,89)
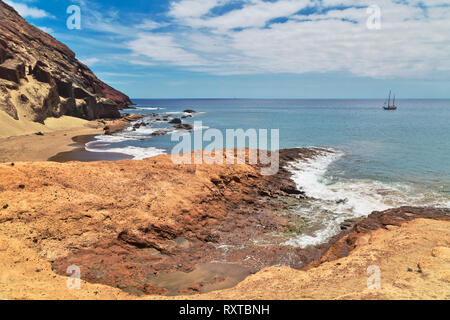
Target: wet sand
(207,277)
(81,154)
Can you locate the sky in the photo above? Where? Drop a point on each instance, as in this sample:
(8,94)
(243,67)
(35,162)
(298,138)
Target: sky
(257,48)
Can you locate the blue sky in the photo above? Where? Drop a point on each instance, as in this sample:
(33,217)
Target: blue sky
(258,48)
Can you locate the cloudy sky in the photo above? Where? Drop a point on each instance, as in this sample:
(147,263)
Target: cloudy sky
(258,48)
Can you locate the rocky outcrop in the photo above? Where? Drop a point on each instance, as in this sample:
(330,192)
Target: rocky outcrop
(138,225)
(40,77)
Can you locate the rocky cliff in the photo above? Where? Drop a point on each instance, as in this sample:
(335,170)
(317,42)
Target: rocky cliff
(40,77)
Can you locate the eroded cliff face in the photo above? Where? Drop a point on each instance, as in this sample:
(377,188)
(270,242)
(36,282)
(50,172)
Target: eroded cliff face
(40,76)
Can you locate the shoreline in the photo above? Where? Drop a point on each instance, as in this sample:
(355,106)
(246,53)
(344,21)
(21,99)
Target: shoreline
(79,153)
(33,148)
(63,145)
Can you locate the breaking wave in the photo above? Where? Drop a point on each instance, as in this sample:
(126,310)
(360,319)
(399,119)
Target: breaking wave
(332,201)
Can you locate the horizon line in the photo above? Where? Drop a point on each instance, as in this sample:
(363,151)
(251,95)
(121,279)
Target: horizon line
(285,98)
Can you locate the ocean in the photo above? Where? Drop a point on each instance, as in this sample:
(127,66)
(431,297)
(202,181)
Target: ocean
(382,159)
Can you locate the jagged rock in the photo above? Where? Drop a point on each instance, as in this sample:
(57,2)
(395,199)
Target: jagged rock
(12,70)
(175,121)
(184,127)
(159,133)
(40,74)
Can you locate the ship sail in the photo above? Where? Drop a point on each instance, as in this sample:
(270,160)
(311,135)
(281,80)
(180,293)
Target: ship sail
(389,106)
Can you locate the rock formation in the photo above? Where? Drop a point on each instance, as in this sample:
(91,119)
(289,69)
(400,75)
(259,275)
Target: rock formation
(40,76)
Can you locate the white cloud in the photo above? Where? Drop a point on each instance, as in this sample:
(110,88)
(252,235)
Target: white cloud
(90,61)
(255,14)
(411,43)
(164,48)
(46,29)
(28,12)
(149,25)
(192,8)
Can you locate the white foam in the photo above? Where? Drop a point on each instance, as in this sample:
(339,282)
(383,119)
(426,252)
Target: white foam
(333,202)
(103,143)
(149,108)
(138,153)
(175,112)
(108,139)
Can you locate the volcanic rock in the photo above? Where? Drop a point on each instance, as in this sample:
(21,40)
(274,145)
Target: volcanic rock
(175,121)
(40,77)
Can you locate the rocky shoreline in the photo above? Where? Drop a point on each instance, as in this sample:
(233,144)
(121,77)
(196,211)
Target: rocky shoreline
(131,225)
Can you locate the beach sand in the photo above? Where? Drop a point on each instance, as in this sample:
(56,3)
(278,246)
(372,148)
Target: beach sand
(63,140)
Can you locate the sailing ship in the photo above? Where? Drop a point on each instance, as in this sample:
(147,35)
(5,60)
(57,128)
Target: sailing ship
(388,105)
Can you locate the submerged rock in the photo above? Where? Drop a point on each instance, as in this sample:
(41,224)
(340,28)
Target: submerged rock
(175,121)
(184,127)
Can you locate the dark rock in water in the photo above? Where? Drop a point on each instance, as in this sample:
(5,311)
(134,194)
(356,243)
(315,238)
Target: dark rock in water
(176,121)
(138,125)
(39,133)
(159,133)
(189,111)
(184,127)
(290,190)
(186,116)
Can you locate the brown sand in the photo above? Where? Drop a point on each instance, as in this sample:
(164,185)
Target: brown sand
(10,127)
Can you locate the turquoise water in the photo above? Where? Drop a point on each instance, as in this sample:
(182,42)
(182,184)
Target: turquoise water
(384,158)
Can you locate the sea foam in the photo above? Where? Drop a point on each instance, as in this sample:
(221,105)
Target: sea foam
(335,200)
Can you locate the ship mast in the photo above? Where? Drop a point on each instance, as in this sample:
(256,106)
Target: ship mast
(389,101)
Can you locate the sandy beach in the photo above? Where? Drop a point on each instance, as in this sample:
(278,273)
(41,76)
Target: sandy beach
(25,145)
(59,140)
